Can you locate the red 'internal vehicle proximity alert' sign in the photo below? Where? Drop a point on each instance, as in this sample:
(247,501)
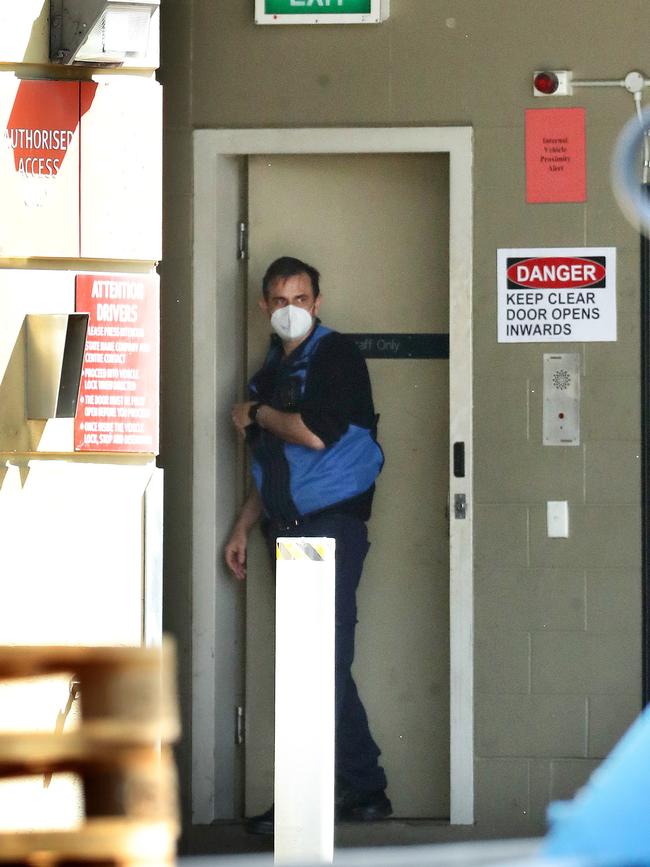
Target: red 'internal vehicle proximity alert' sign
(555,155)
(557,295)
(117,409)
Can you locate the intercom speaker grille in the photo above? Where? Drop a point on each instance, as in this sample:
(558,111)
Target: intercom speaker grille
(561,418)
(562,379)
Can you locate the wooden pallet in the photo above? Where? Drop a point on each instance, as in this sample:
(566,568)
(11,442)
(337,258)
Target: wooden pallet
(98,840)
(132,685)
(120,751)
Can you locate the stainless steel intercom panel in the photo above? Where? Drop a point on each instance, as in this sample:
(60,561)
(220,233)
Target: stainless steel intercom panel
(561,399)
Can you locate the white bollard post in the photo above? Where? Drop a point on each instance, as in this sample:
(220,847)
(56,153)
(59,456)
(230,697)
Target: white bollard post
(304,700)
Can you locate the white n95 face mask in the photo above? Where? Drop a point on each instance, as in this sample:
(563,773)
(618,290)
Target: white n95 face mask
(291,323)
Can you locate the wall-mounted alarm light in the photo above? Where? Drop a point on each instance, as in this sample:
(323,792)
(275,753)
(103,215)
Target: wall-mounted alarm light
(552,82)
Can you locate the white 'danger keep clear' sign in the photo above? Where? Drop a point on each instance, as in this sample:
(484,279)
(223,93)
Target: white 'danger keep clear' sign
(562,294)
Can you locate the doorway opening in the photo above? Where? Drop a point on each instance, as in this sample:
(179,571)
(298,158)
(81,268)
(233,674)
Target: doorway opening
(406,195)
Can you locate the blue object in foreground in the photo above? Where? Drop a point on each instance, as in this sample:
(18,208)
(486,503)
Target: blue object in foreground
(609,819)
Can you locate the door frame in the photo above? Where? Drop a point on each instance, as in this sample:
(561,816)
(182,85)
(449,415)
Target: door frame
(218,372)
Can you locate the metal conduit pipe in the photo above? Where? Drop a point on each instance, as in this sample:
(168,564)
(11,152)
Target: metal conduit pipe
(588,83)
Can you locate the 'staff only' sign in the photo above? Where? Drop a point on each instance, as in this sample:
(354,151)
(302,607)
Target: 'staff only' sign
(561,295)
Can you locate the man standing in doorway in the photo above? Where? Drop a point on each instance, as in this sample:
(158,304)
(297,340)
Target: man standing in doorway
(311,425)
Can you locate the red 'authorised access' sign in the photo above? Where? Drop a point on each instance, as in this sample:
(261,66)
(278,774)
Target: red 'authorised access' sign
(117,409)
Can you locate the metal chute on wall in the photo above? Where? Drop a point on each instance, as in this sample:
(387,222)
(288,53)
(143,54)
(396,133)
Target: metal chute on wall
(54,357)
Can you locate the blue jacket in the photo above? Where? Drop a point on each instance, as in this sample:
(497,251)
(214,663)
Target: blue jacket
(295,480)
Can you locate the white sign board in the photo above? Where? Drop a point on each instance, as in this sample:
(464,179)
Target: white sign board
(557,295)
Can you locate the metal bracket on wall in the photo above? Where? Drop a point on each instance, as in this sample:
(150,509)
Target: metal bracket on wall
(99,32)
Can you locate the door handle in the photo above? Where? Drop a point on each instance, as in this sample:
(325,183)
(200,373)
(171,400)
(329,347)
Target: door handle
(459,460)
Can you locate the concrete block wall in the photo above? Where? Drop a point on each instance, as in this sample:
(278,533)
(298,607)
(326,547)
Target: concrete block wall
(558,621)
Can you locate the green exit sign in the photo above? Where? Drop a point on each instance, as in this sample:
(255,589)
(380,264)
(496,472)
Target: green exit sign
(320,11)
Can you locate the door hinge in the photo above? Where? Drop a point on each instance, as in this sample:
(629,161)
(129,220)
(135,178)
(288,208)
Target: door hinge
(242,241)
(239,725)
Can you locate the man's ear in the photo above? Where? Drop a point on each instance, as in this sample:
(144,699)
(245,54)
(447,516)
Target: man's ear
(317,302)
(264,305)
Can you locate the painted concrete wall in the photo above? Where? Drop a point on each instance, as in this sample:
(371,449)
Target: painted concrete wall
(558,655)
(72,527)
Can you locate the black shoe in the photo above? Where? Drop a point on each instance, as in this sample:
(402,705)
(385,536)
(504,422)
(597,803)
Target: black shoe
(354,805)
(262,824)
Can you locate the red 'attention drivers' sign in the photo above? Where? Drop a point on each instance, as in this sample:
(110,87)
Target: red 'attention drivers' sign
(555,155)
(117,409)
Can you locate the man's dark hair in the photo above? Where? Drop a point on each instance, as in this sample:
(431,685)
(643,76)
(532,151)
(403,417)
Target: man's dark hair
(285,267)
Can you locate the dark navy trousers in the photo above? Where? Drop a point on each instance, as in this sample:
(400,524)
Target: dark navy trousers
(356,751)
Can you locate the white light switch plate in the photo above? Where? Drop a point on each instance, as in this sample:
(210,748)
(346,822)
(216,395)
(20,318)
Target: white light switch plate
(557,519)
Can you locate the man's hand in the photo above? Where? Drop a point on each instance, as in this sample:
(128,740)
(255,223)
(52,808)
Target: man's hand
(235,550)
(240,416)
(235,553)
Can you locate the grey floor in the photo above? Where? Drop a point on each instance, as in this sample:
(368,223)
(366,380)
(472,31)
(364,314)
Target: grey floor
(382,850)
(224,838)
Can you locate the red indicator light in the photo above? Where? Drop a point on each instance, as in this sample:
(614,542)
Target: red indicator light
(561,415)
(546,83)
